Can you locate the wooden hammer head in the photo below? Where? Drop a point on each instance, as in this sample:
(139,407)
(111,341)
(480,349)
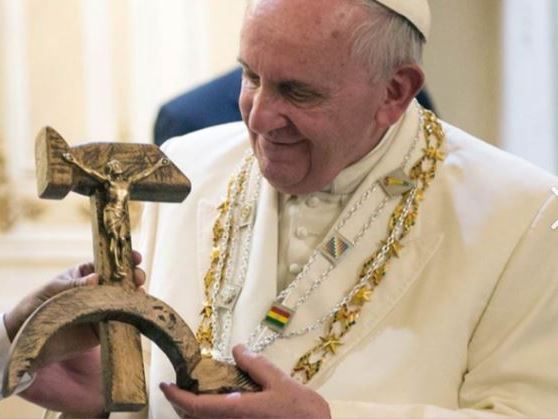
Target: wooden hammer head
(54,175)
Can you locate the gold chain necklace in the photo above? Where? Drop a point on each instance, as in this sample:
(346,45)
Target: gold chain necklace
(422,173)
(220,253)
(344,318)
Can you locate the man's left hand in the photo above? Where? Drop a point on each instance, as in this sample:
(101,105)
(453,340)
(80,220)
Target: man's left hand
(281,395)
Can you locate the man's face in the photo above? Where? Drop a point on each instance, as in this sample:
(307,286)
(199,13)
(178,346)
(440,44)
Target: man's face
(309,107)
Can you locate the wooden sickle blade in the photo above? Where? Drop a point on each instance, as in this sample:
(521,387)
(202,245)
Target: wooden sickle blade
(152,317)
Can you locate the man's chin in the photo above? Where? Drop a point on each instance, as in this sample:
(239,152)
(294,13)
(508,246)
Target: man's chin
(284,184)
(286,177)
(292,186)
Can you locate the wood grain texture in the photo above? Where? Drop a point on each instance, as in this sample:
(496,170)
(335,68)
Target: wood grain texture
(152,317)
(121,353)
(111,174)
(55,177)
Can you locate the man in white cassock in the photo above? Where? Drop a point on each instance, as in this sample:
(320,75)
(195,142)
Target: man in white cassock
(372,260)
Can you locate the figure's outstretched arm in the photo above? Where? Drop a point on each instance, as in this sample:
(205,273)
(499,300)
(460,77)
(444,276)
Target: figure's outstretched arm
(91,172)
(150,170)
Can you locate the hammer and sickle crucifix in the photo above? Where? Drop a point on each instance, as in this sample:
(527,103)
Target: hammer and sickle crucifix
(111,174)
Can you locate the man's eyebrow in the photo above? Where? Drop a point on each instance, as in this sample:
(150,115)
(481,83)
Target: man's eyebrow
(298,84)
(243,63)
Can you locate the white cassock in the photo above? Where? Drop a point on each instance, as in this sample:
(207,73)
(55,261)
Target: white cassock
(465,322)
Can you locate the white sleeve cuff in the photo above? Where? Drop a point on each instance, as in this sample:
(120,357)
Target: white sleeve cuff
(4,349)
(5,346)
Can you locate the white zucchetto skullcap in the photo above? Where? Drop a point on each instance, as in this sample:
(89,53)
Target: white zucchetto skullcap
(415,11)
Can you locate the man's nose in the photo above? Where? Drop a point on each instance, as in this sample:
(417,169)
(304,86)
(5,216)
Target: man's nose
(266,113)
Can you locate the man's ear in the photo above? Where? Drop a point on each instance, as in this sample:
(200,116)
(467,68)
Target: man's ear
(401,88)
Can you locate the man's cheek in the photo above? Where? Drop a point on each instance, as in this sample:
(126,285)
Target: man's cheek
(245,105)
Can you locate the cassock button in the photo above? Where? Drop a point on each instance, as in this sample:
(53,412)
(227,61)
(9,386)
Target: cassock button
(301,233)
(313,201)
(295,268)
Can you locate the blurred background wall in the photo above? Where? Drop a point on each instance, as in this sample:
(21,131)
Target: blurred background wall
(463,62)
(98,70)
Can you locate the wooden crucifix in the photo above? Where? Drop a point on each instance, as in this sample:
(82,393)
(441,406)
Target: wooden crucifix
(111,174)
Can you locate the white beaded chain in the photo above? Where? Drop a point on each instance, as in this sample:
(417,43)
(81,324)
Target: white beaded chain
(258,340)
(262,337)
(223,244)
(250,194)
(264,342)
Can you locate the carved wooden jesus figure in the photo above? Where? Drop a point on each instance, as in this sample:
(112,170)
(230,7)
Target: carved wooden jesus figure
(115,220)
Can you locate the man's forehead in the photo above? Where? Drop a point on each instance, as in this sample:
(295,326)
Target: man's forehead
(284,40)
(417,12)
(311,21)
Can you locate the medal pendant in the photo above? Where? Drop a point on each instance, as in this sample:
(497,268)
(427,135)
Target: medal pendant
(246,215)
(278,317)
(335,248)
(397,183)
(228,296)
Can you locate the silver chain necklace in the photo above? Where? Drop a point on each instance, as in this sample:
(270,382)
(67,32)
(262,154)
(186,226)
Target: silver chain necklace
(262,336)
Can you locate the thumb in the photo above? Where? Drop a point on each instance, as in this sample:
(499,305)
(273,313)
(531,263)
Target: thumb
(259,368)
(87,280)
(59,285)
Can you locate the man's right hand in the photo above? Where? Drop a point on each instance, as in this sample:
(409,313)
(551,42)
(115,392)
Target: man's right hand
(70,379)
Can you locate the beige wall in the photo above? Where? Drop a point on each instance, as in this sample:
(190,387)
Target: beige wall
(462,63)
(228,16)
(56,85)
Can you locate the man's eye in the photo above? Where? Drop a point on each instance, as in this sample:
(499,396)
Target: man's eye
(299,95)
(252,79)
